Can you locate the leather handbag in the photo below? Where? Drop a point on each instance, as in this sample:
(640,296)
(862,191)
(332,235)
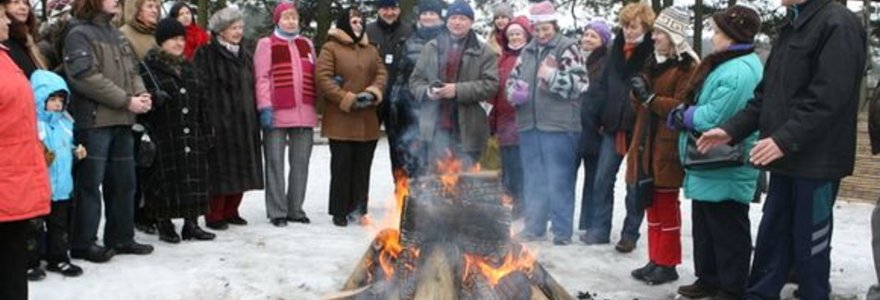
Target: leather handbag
(644,189)
(722,156)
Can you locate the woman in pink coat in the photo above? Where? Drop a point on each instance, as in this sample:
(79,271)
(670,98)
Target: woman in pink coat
(284,64)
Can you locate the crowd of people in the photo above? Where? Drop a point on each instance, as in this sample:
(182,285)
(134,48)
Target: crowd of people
(160,119)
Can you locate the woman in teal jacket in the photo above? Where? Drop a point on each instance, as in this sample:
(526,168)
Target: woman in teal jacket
(722,85)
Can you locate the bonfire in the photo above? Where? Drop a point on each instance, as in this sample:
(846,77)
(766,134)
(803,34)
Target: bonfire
(449,237)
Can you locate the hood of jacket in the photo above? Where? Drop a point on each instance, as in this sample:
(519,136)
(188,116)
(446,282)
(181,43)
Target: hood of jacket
(344,38)
(45,83)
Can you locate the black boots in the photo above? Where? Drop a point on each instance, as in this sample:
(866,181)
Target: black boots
(167,233)
(640,273)
(697,290)
(340,221)
(279,222)
(93,253)
(64,268)
(36,274)
(133,247)
(654,274)
(191,230)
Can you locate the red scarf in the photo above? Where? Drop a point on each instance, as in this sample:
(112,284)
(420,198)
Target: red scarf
(288,75)
(195,38)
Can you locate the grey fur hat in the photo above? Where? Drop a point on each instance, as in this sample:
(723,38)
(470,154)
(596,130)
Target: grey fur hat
(224,18)
(503,10)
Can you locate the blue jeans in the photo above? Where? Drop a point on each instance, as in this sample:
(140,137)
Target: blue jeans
(795,232)
(110,166)
(512,174)
(551,158)
(601,199)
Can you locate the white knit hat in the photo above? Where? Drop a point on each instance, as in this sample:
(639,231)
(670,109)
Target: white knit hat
(674,21)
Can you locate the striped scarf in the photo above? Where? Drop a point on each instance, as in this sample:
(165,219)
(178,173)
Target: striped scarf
(292,80)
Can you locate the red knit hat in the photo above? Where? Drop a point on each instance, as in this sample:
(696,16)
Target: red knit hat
(281,8)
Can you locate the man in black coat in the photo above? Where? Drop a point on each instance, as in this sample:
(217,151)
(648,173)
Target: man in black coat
(389,35)
(874,129)
(806,111)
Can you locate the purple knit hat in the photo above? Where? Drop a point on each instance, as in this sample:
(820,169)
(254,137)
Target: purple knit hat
(602,29)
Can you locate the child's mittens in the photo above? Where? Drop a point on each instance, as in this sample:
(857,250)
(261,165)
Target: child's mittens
(50,156)
(519,93)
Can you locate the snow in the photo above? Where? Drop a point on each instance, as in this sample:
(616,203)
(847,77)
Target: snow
(260,261)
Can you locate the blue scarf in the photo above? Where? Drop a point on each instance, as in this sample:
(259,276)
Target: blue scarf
(286,35)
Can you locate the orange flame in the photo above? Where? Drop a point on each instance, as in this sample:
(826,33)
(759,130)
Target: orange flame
(390,249)
(448,169)
(524,262)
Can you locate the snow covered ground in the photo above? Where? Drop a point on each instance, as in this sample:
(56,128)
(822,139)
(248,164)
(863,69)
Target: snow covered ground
(260,261)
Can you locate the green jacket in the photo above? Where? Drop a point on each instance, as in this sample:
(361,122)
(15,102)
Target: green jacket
(726,91)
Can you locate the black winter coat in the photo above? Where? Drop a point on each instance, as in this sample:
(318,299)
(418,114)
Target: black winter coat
(596,62)
(607,99)
(389,39)
(808,99)
(176,185)
(402,114)
(236,159)
(874,124)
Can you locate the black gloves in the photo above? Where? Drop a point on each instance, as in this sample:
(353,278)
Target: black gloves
(363,100)
(641,90)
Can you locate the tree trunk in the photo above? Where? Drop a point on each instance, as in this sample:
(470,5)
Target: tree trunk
(324,19)
(698,27)
(407,12)
(203,13)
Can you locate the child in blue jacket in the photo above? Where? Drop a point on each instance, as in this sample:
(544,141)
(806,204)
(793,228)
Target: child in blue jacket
(55,127)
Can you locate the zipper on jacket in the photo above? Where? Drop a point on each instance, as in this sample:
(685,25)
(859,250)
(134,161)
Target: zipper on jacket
(535,89)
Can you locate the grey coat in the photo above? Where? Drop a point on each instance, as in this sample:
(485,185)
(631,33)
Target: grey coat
(553,105)
(102,72)
(477,82)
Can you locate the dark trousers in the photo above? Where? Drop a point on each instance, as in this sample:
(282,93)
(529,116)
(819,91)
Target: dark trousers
(350,164)
(224,207)
(140,215)
(35,234)
(57,232)
(512,175)
(722,245)
(108,173)
(13,260)
(794,232)
(590,163)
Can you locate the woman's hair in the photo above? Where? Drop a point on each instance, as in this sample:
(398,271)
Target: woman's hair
(87,9)
(20,31)
(138,7)
(637,11)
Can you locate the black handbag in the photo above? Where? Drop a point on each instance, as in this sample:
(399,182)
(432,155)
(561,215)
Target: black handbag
(145,149)
(722,156)
(644,190)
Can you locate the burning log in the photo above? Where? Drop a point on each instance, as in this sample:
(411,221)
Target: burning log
(436,280)
(461,223)
(549,286)
(367,268)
